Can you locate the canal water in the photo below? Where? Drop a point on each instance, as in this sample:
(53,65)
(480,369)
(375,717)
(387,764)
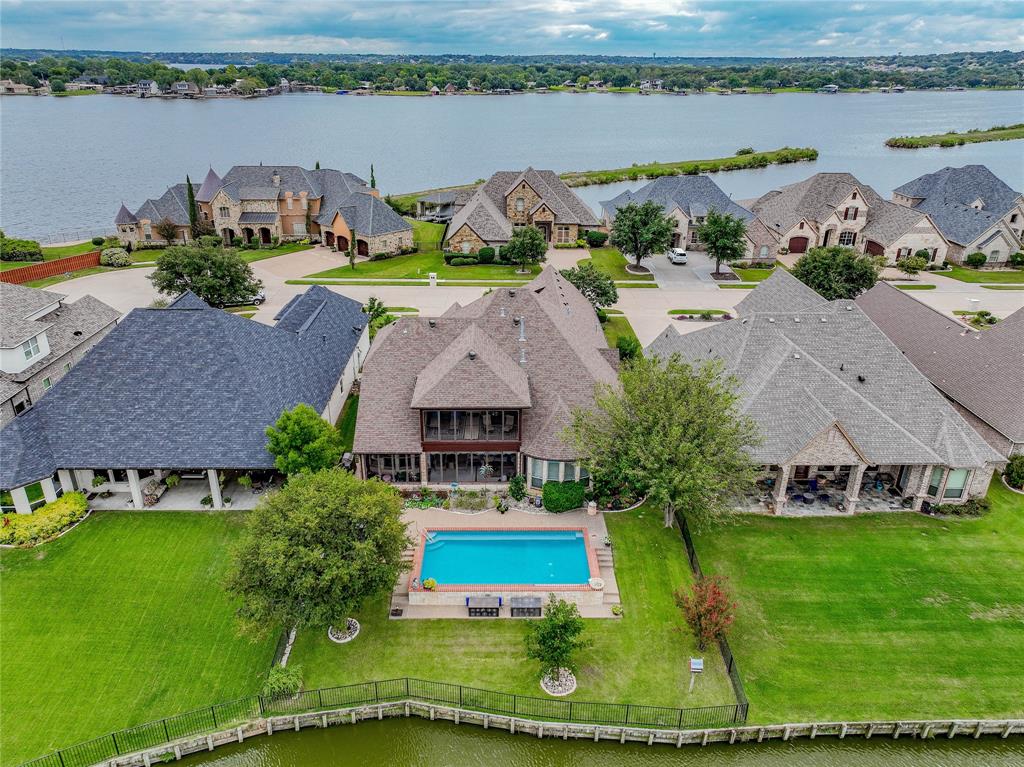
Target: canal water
(69,162)
(419,743)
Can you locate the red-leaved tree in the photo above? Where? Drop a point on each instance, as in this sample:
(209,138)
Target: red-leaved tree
(708,609)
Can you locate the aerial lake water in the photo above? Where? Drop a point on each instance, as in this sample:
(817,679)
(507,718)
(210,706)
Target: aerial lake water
(67,163)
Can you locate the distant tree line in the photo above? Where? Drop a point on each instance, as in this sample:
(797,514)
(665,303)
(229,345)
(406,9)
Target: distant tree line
(995,69)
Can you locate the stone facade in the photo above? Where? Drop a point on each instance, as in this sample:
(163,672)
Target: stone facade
(459,241)
(391,242)
(519,202)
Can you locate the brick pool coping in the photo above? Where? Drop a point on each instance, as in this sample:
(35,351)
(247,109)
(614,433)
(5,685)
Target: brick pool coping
(417,562)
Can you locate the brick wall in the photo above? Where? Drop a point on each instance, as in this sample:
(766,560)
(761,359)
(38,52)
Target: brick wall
(52,268)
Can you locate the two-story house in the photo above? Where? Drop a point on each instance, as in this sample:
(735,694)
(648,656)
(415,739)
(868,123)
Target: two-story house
(836,209)
(687,200)
(146,88)
(41,338)
(511,199)
(277,203)
(485,391)
(973,208)
(185,88)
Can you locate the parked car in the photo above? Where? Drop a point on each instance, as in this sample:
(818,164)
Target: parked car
(677,256)
(256,300)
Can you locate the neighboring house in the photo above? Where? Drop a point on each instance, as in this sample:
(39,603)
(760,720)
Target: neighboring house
(219,380)
(687,200)
(450,90)
(975,211)
(286,203)
(980,371)
(836,209)
(41,338)
(834,398)
(145,88)
(441,206)
(510,199)
(138,229)
(435,91)
(185,88)
(485,391)
(11,88)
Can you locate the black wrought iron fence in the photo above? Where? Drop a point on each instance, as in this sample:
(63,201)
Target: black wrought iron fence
(223,715)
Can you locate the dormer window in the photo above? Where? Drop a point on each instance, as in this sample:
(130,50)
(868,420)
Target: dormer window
(978,204)
(31,348)
(520,204)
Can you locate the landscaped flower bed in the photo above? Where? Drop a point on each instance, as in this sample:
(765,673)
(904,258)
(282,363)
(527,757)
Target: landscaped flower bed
(347,634)
(45,523)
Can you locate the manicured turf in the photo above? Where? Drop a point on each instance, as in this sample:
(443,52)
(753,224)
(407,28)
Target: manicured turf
(617,327)
(737,285)
(420,265)
(426,235)
(278,250)
(640,658)
(613,263)
(63,251)
(754,275)
(121,621)
(965,274)
(922,286)
(47,281)
(883,616)
(1003,287)
(347,421)
(415,283)
(696,311)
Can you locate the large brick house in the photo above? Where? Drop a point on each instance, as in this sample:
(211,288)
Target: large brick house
(263,203)
(975,211)
(836,209)
(510,199)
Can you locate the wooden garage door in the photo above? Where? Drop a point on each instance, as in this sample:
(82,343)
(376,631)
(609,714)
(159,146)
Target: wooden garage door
(797,244)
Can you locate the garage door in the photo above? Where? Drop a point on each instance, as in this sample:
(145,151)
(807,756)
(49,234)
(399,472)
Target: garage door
(797,244)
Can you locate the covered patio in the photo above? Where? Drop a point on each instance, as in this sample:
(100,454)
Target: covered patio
(186,491)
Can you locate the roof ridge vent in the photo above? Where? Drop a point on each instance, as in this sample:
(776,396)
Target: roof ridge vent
(796,319)
(432,322)
(472,354)
(771,319)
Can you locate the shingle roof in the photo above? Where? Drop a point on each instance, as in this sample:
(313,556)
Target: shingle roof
(805,369)
(947,196)
(172,204)
(780,291)
(812,199)
(186,387)
(17,304)
(211,184)
(694,195)
(562,357)
(125,216)
(982,370)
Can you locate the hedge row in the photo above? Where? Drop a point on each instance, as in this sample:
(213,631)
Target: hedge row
(45,522)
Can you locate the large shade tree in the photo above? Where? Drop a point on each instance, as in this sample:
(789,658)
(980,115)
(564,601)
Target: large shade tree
(671,432)
(724,237)
(526,246)
(596,286)
(216,275)
(301,441)
(640,231)
(314,551)
(838,272)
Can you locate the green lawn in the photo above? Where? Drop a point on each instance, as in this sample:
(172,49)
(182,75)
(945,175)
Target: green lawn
(347,421)
(754,274)
(618,327)
(419,265)
(426,236)
(966,274)
(696,311)
(640,658)
(613,263)
(119,622)
(920,286)
(51,253)
(737,285)
(1003,287)
(882,616)
(47,281)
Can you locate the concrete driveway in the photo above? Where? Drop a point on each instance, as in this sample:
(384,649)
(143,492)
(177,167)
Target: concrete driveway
(694,275)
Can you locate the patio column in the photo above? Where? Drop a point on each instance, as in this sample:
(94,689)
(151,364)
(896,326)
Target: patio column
(49,491)
(781,480)
(218,503)
(67,482)
(423,469)
(20,498)
(136,487)
(921,487)
(853,486)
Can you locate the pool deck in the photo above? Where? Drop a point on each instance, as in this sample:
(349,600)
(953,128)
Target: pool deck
(419,520)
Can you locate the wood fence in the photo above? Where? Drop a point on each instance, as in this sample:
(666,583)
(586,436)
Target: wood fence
(22,274)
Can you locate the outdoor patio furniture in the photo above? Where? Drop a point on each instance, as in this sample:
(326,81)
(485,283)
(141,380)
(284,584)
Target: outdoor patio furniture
(808,498)
(812,485)
(825,498)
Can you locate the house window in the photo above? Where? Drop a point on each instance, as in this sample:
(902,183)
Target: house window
(847,238)
(562,233)
(853,196)
(763,252)
(936,481)
(994,255)
(801,225)
(67,367)
(394,467)
(47,383)
(554,471)
(1013,218)
(520,204)
(700,219)
(470,425)
(31,348)
(290,202)
(223,212)
(850,214)
(305,202)
(148,231)
(956,483)
(298,227)
(693,237)
(536,474)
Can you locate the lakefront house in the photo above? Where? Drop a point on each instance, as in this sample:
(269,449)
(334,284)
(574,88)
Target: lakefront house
(483,392)
(511,199)
(266,204)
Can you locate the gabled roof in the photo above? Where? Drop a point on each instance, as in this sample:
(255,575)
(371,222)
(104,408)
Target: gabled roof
(981,370)
(481,215)
(888,222)
(947,196)
(222,379)
(17,304)
(210,186)
(561,356)
(803,367)
(694,195)
(125,216)
(780,291)
(172,204)
(812,199)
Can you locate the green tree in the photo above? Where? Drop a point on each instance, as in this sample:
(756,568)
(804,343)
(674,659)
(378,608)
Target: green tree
(595,285)
(554,639)
(352,249)
(526,246)
(314,551)
(640,231)
(724,237)
(838,272)
(58,86)
(216,275)
(303,441)
(167,229)
(379,315)
(911,265)
(193,214)
(671,432)
(318,165)
(373,178)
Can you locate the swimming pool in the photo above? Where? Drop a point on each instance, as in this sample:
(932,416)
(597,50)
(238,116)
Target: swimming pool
(505,557)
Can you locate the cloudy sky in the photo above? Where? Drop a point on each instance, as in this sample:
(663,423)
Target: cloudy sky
(626,27)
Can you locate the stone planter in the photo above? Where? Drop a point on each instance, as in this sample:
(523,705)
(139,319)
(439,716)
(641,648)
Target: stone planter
(564,684)
(350,632)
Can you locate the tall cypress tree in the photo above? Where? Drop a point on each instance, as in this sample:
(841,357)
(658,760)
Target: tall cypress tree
(193,217)
(373,179)
(318,165)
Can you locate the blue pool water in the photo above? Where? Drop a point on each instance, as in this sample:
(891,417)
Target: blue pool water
(483,557)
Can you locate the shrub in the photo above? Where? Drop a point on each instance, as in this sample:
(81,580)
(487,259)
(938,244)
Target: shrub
(517,487)
(706,316)
(430,584)
(975,507)
(565,245)
(236,241)
(206,501)
(464,261)
(563,496)
(20,250)
(1014,472)
(382,256)
(486,251)
(596,239)
(745,150)
(115,257)
(628,348)
(211,241)
(97,241)
(485,256)
(976,260)
(708,609)
(1017,259)
(45,522)
(602,315)
(282,681)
